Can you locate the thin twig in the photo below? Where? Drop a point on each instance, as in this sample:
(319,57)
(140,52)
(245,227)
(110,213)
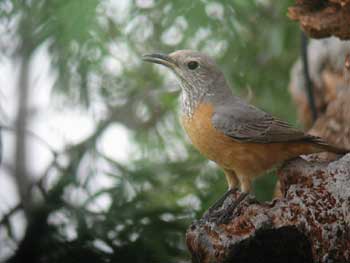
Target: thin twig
(33,135)
(309,86)
(7,216)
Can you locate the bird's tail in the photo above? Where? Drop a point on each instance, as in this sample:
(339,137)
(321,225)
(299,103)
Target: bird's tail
(326,147)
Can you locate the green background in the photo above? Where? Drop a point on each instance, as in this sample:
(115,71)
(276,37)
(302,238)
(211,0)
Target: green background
(165,184)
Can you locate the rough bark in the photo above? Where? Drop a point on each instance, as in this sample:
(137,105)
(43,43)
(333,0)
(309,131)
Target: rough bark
(322,18)
(310,223)
(329,72)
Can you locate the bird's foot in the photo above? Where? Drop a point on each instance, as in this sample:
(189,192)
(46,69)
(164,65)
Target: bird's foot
(226,212)
(220,202)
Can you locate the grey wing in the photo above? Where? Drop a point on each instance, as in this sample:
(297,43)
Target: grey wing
(246,123)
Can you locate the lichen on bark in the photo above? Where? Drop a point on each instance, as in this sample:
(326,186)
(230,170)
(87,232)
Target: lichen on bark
(322,18)
(309,223)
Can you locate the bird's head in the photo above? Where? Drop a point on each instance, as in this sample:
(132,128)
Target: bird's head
(197,72)
(200,78)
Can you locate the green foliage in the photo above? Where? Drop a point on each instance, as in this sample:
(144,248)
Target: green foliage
(95,50)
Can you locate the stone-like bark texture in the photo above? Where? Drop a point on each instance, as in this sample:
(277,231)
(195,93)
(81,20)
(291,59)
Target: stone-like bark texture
(329,67)
(323,18)
(310,223)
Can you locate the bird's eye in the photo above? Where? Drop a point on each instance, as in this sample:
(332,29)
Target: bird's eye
(192,65)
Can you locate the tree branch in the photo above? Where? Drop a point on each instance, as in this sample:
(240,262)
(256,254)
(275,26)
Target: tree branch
(20,173)
(308,224)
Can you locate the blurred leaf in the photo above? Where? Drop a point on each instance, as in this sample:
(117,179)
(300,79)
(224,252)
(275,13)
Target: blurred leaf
(95,50)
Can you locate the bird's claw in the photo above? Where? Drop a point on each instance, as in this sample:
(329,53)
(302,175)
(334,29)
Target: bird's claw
(224,214)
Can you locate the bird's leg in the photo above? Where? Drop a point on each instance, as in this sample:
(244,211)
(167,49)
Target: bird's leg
(233,183)
(231,178)
(245,187)
(246,183)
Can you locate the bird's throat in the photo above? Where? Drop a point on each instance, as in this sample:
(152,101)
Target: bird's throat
(189,102)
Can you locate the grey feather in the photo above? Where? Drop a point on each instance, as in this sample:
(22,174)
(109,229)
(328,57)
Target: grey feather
(246,123)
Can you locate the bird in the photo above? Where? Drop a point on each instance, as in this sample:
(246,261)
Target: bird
(242,139)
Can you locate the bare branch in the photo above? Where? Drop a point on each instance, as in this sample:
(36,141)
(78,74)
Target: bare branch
(12,211)
(33,135)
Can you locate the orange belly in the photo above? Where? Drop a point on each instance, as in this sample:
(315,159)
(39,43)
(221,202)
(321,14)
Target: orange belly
(250,159)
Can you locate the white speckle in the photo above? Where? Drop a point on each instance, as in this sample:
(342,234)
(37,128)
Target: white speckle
(191,201)
(167,217)
(100,203)
(6,6)
(201,35)
(8,195)
(76,196)
(68,228)
(215,10)
(172,36)
(115,143)
(19,224)
(103,246)
(120,228)
(112,66)
(133,237)
(117,10)
(181,22)
(139,29)
(145,3)
(215,48)
(111,234)
(145,221)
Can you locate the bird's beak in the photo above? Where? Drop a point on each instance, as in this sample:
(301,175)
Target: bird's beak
(160,59)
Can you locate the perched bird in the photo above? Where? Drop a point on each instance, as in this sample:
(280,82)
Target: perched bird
(242,139)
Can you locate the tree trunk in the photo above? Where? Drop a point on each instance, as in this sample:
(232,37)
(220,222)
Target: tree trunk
(20,172)
(310,223)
